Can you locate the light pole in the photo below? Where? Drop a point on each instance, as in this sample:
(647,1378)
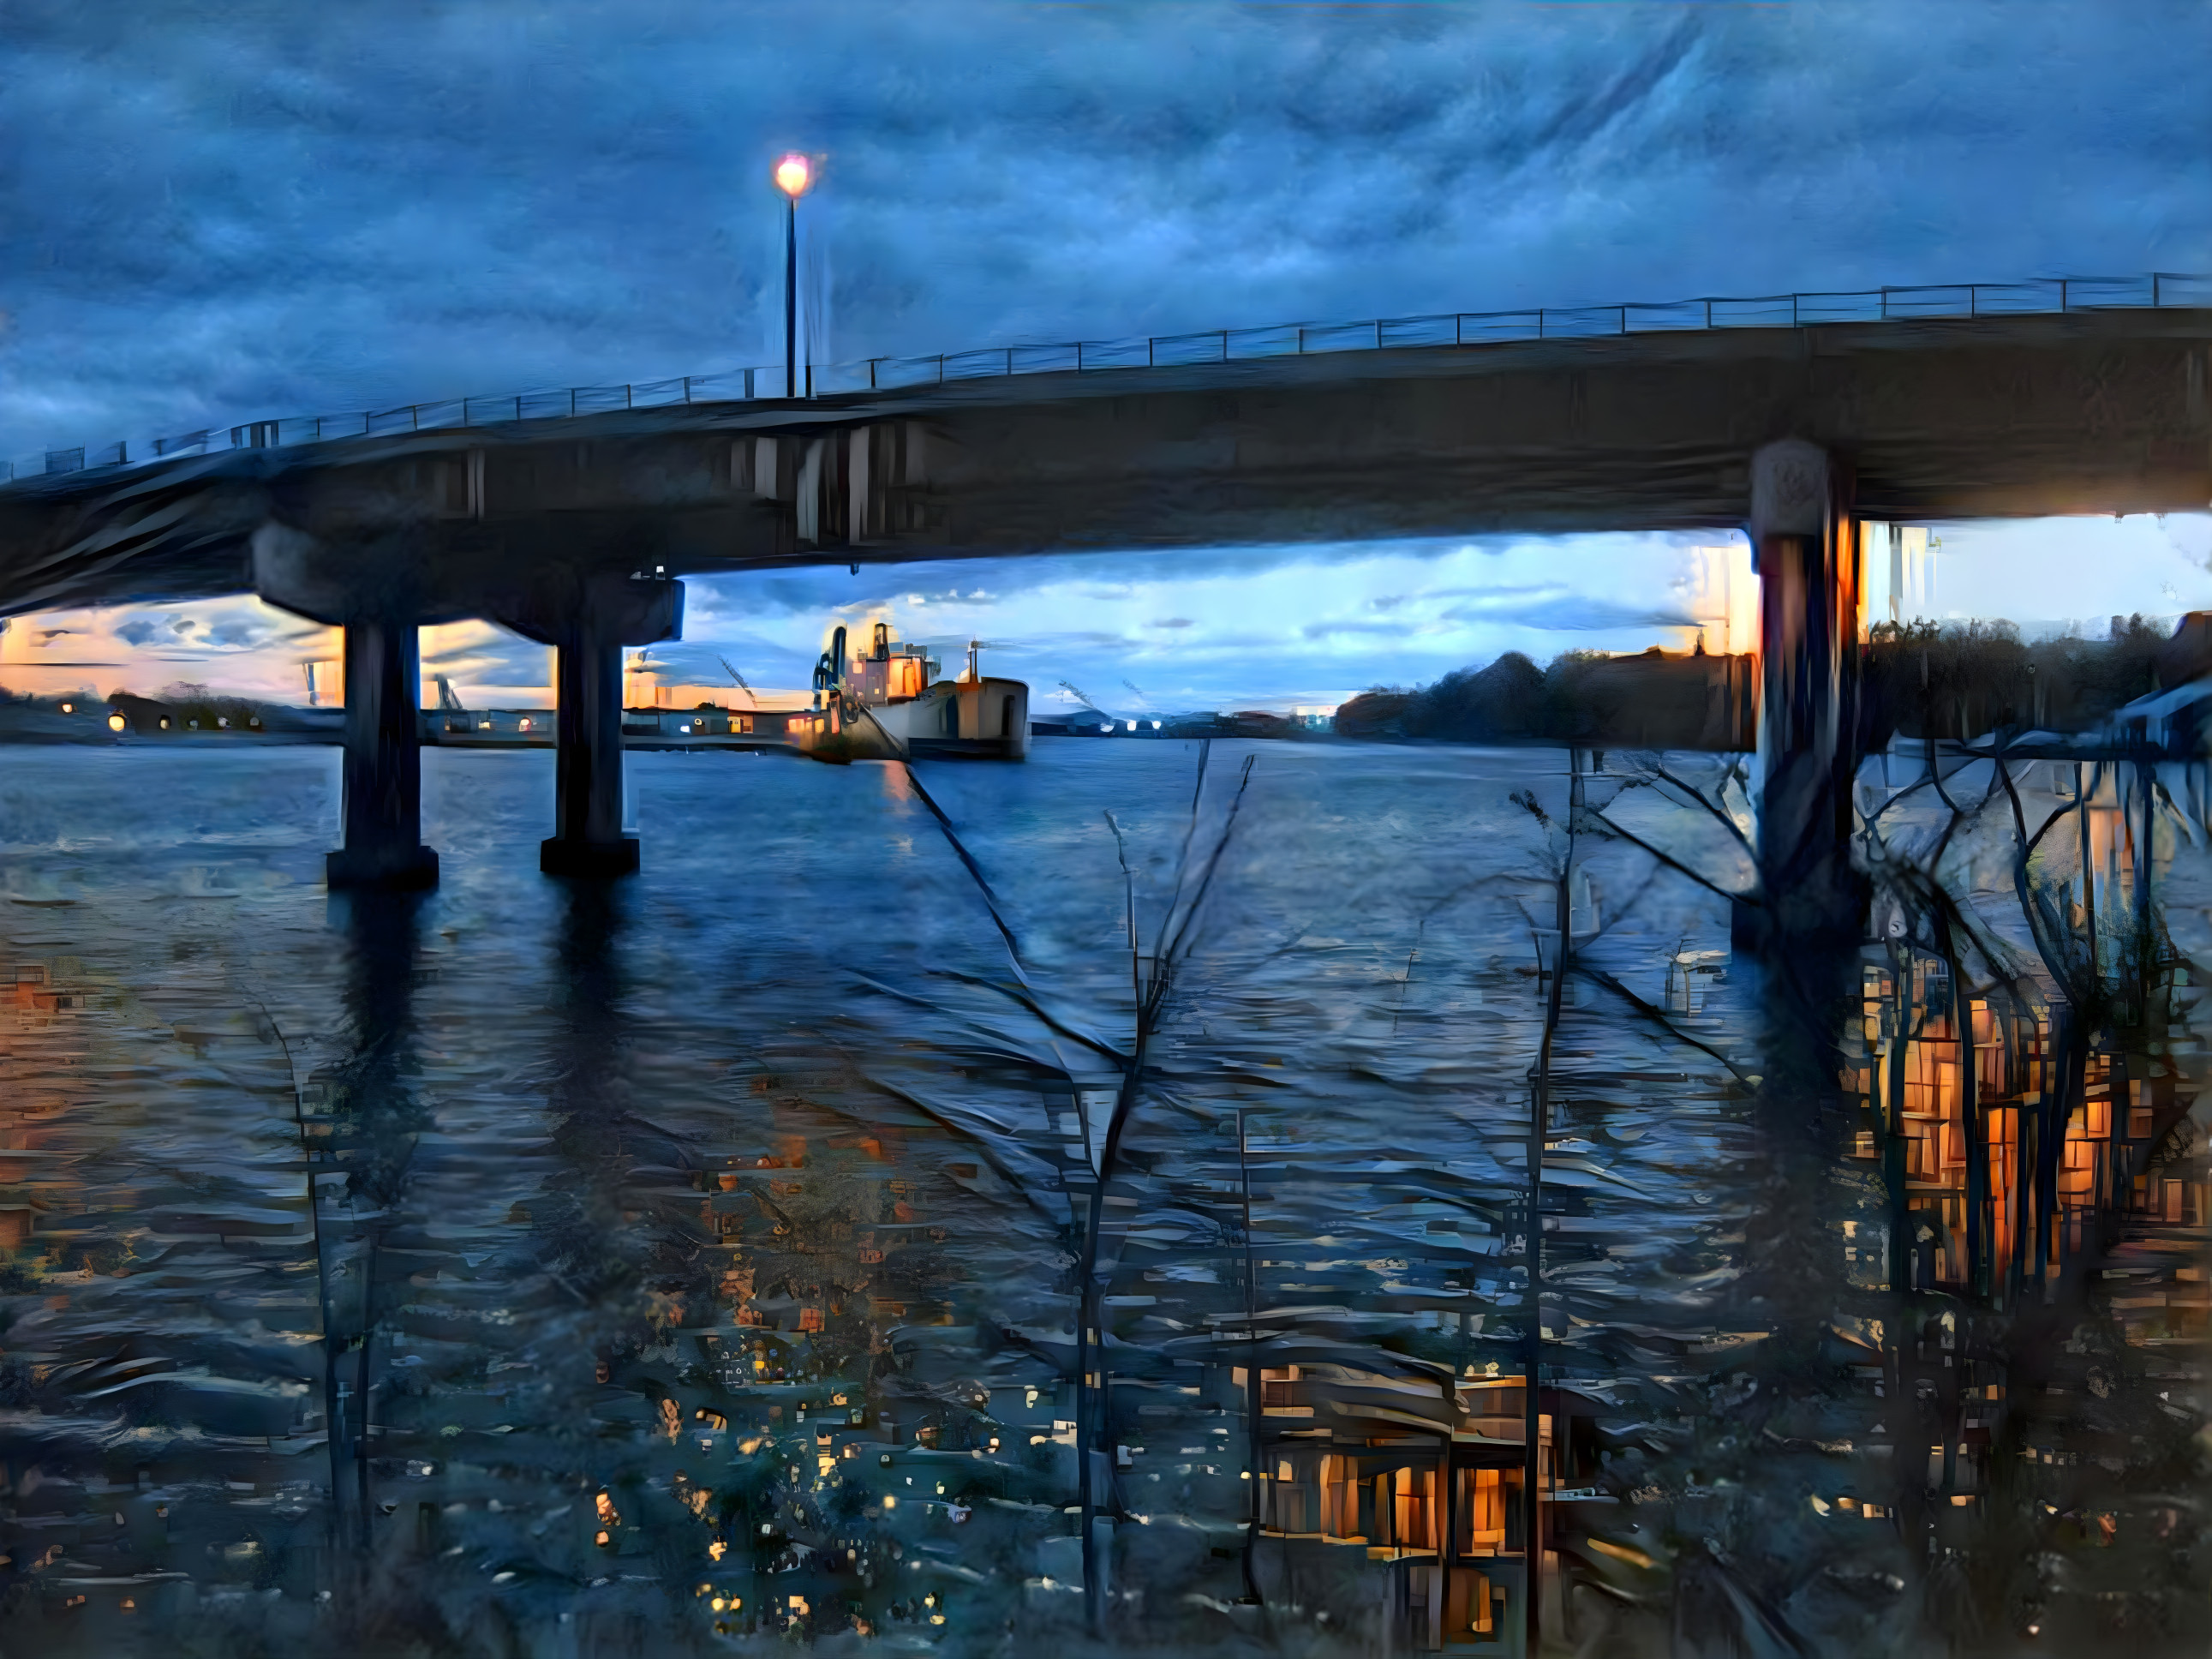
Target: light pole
(794,173)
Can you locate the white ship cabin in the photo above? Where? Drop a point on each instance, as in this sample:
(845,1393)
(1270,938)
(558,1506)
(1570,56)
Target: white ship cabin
(892,671)
(909,711)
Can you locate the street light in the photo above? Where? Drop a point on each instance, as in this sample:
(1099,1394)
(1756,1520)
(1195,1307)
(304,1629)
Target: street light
(794,173)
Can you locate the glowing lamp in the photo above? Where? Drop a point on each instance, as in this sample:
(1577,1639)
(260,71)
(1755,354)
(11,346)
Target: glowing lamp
(793,174)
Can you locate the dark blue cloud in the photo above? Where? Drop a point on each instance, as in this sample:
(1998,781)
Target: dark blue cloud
(271,208)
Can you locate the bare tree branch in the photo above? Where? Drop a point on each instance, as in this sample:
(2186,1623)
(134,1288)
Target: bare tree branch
(1658,1016)
(968,861)
(1671,862)
(1700,800)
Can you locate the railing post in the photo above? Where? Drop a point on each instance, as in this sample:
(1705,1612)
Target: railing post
(1010,361)
(1079,356)
(1152,352)
(687,388)
(1539,322)
(627,403)
(2062,293)
(749,386)
(518,406)
(572,400)
(871,373)
(1623,320)
(2154,288)
(1302,339)
(1792,311)
(1885,303)
(1459,329)
(1973,301)
(414,418)
(1709,313)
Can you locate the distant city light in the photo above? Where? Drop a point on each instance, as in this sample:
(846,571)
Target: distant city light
(68,709)
(1133,725)
(115,722)
(793,174)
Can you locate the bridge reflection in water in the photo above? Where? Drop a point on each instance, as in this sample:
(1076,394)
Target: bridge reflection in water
(640,1300)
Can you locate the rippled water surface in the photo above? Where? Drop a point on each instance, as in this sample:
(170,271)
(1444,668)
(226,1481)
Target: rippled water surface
(694,1262)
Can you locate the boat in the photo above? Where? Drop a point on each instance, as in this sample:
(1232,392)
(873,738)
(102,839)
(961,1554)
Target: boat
(890,704)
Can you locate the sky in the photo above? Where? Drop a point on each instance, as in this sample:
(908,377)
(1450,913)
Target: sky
(223,212)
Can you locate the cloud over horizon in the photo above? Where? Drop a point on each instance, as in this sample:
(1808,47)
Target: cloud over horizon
(275,210)
(267,210)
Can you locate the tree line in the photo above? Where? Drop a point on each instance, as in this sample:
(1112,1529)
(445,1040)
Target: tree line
(1919,679)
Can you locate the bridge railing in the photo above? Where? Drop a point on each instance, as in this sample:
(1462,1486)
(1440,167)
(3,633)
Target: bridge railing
(1443,329)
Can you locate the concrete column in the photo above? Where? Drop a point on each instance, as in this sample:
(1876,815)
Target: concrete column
(383,766)
(587,617)
(587,812)
(1804,545)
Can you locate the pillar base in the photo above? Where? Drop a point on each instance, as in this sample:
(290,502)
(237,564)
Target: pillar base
(394,867)
(558,856)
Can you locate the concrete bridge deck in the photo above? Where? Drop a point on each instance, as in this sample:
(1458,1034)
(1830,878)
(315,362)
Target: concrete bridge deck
(2018,415)
(574,529)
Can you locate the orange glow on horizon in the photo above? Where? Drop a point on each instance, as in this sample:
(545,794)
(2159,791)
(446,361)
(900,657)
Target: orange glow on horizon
(1720,591)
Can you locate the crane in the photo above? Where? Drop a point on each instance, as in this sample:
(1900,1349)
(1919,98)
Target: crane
(449,706)
(739,679)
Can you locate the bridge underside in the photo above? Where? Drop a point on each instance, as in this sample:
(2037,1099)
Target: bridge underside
(575,531)
(2018,417)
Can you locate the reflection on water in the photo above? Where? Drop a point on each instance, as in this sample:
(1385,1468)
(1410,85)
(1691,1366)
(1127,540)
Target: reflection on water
(536,1266)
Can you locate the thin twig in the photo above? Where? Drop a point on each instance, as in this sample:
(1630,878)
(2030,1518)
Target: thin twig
(1699,799)
(1658,1017)
(1671,862)
(968,861)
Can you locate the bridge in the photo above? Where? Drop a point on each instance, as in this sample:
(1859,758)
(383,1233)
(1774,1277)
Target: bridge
(571,518)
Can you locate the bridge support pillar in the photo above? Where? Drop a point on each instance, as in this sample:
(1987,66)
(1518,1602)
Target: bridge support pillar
(588,617)
(588,806)
(383,765)
(1804,545)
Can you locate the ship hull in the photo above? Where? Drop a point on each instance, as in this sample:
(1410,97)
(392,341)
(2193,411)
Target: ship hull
(987,719)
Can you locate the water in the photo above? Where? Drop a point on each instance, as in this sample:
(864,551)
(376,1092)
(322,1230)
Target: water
(696,1259)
